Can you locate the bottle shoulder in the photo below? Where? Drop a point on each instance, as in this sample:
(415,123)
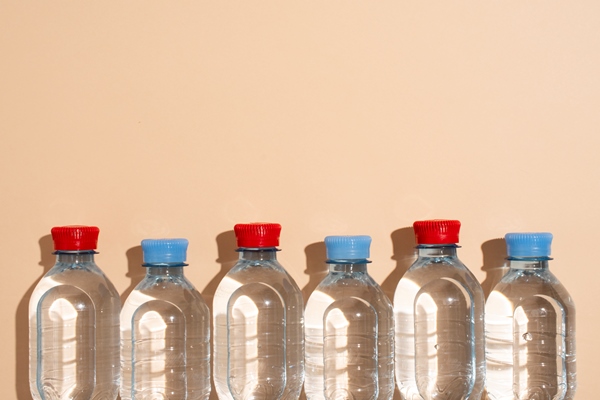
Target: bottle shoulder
(446,278)
(185,299)
(89,269)
(165,282)
(344,285)
(86,278)
(349,295)
(350,280)
(428,269)
(269,272)
(519,284)
(528,276)
(242,265)
(174,287)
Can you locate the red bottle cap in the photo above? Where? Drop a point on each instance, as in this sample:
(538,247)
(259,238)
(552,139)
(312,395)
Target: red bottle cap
(257,235)
(75,237)
(437,231)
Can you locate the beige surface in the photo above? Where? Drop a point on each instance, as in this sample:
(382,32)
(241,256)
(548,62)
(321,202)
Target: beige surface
(181,118)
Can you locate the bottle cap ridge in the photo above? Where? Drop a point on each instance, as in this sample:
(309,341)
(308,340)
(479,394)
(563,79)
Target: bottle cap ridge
(348,247)
(437,231)
(162,251)
(528,244)
(75,237)
(257,234)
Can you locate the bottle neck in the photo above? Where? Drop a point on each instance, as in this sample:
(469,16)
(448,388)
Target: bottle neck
(438,250)
(258,254)
(531,263)
(75,257)
(347,266)
(164,269)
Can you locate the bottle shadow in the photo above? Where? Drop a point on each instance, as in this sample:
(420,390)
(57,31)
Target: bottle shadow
(316,269)
(494,264)
(135,271)
(47,261)
(227,257)
(404,253)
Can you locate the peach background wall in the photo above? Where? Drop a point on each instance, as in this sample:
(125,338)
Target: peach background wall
(182,118)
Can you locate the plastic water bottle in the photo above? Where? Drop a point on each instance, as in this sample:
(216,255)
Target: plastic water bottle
(74,324)
(438,308)
(165,330)
(349,328)
(530,327)
(258,321)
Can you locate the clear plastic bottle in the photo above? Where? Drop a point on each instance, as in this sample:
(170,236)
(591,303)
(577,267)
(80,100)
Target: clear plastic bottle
(349,328)
(438,308)
(258,321)
(74,324)
(165,330)
(530,327)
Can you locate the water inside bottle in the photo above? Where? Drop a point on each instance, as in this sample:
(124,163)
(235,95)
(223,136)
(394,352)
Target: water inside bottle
(74,335)
(258,331)
(357,338)
(66,322)
(256,342)
(444,340)
(526,342)
(350,348)
(165,349)
(437,324)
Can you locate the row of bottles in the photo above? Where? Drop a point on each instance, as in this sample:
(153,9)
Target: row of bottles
(431,342)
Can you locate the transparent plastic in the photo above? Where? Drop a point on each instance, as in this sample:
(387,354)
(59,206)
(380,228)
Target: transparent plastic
(439,308)
(74,332)
(258,322)
(530,335)
(349,337)
(165,338)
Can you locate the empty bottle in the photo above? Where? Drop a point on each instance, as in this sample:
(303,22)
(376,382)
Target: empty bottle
(438,308)
(530,327)
(258,321)
(165,330)
(349,328)
(74,324)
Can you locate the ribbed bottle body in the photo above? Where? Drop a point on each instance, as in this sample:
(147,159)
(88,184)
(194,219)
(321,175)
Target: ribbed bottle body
(258,322)
(165,339)
(349,338)
(439,317)
(74,332)
(530,336)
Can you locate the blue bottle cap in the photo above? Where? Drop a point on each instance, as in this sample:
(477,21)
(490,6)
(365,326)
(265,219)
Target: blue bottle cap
(347,247)
(164,251)
(534,244)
